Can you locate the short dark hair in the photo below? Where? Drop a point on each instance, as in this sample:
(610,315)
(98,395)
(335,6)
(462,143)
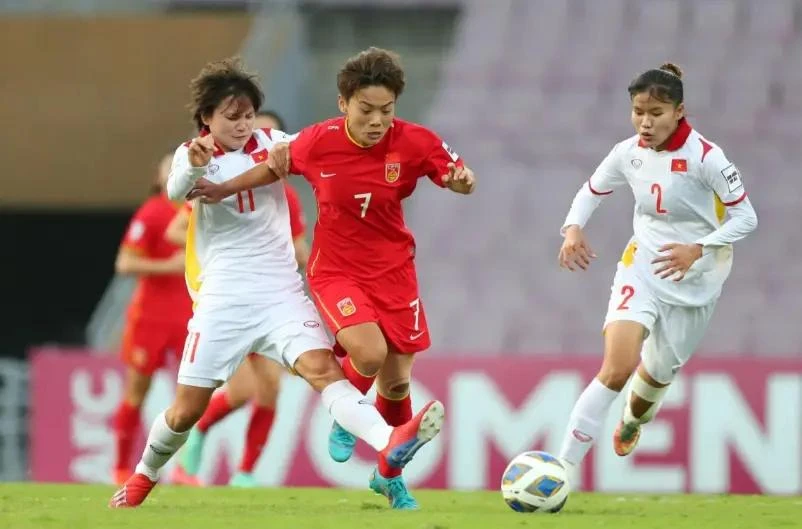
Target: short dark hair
(218,81)
(272,114)
(371,67)
(663,84)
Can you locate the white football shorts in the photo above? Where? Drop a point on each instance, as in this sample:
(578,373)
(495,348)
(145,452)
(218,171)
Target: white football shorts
(674,332)
(220,337)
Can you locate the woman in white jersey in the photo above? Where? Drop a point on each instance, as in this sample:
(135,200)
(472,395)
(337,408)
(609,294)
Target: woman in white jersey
(671,272)
(248,294)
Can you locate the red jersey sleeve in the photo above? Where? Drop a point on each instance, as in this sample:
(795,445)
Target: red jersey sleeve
(297,221)
(140,233)
(301,148)
(437,155)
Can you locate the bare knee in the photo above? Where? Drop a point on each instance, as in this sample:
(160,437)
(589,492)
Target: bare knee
(623,341)
(614,379)
(395,391)
(189,405)
(319,368)
(181,417)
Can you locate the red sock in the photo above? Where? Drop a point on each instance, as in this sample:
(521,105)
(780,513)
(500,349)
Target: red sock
(360,381)
(126,426)
(218,409)
(256,436)
(396,413)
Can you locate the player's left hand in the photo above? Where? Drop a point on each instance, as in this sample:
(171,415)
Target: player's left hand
(677,261)
(278,159)
(460,179)
(207,192)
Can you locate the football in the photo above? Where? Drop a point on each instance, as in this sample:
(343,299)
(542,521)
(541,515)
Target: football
(535,482)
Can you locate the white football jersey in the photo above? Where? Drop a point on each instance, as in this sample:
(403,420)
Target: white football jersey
(239,251)
(681,196)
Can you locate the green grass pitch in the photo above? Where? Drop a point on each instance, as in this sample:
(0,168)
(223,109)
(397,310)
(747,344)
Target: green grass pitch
(29,506)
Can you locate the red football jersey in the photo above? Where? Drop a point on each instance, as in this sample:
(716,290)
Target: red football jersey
(297,220)
(360,229)
(157,297)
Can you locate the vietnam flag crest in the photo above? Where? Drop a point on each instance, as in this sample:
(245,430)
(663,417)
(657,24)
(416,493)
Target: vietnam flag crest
(259,156)
(679,165)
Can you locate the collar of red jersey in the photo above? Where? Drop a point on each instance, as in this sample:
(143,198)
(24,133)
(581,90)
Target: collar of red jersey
(250,145)
(678,138)
(353,140)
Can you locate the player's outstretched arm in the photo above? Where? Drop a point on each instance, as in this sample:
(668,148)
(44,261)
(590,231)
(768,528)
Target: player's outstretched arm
(211,193)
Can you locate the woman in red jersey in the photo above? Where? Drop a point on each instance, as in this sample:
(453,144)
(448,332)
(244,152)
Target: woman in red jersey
(362,272)
(157,316)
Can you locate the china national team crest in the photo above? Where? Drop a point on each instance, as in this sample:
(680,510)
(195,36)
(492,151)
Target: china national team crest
(346,306)
(392,172)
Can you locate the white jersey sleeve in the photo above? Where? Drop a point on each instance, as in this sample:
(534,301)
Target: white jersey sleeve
(182,174)
(725,180)
(607,177)
(279,136)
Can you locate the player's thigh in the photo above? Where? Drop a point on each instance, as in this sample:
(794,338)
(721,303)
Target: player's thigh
(631,315)
(351,316)
(267,379)
(341,302)
(674,339)
(395,375)
(242,385)
(290,329)
(217,343)
(402,315)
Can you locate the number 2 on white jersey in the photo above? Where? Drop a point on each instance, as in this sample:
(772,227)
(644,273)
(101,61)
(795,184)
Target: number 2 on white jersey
(365,198)
(657,190)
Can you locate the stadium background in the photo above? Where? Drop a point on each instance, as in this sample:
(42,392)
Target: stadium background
(532,94)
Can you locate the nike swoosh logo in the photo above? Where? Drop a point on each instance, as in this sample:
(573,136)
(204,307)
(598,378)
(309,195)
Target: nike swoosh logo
(159,452)
(416,336)
(326,175)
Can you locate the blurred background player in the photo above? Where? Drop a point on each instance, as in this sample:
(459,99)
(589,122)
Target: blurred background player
(157,316)
(362,272)
(672,271)
(258,379)
(248,293)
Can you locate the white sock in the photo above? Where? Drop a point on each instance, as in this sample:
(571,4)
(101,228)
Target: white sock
(587,419)
(161,445)
(356,414)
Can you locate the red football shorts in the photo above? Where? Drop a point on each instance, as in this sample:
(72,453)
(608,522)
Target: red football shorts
(392,302)
(147,345)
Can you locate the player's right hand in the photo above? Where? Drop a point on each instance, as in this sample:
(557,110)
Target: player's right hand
(201,151)
(278,159)
(575,251)
(207,192)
